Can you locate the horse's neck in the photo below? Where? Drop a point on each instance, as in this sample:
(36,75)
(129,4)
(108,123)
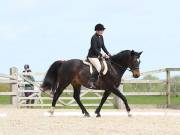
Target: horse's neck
(119,70)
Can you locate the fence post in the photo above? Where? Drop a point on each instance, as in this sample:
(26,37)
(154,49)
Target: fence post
(118,103)
(14,86)
(168,90)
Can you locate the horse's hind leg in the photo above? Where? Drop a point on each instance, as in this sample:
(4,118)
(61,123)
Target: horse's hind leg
(77,91)
(103,100)
(58,92)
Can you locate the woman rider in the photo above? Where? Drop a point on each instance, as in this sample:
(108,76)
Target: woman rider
(97,43)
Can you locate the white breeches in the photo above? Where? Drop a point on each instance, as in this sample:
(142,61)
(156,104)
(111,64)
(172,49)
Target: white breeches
(95,62)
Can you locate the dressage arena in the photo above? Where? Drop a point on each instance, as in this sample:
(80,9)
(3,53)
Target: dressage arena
(71,122)
(17,119)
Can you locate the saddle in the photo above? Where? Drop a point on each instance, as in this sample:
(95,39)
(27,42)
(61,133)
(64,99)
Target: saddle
(104,65)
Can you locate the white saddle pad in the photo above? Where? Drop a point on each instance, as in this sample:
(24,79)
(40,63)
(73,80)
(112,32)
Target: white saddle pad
(91,66)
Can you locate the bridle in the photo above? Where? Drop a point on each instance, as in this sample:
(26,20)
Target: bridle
(136,67)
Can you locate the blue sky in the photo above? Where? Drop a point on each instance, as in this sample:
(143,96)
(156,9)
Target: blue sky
(38,32)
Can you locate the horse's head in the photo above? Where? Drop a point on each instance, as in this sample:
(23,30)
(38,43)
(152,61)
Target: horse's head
(128,59)
(134,63)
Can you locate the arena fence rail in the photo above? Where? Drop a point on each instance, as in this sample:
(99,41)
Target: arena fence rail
(17,82)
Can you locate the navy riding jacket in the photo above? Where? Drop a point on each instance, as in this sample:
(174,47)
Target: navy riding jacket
(97,43)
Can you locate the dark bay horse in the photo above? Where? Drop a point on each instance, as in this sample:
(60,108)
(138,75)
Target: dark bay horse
(76,73)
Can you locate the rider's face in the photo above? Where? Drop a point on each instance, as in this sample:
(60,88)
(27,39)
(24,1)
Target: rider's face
(100,32)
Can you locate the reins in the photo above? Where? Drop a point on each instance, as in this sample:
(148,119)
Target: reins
(120,66)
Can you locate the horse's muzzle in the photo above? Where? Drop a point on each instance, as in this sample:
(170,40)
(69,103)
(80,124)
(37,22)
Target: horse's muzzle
(136,73)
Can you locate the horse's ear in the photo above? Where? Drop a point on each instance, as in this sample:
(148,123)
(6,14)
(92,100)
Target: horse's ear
(132,53)
(140,53)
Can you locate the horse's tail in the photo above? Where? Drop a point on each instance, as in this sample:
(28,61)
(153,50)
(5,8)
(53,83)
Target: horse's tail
(50,80)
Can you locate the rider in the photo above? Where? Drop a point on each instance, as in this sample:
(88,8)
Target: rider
(97,43)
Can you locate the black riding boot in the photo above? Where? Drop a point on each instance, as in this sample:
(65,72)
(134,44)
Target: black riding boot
(93,79)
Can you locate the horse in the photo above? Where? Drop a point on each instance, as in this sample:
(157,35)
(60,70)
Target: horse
(75,72)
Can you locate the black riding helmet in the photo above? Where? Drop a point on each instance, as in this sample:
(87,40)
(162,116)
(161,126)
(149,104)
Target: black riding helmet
(99,27)
(26,66)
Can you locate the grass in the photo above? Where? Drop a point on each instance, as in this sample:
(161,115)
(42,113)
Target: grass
(5,100)
(146,99)
(152,100)
(131,99)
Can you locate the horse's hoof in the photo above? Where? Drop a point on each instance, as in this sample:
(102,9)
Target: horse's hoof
(87,115)
(50,112)
(129,115)
(51,115)
(98,115)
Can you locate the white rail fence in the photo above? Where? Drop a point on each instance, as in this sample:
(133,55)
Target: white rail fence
(16,81)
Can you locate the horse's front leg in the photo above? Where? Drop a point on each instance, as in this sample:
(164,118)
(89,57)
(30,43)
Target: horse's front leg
(103,100)
(117,92)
